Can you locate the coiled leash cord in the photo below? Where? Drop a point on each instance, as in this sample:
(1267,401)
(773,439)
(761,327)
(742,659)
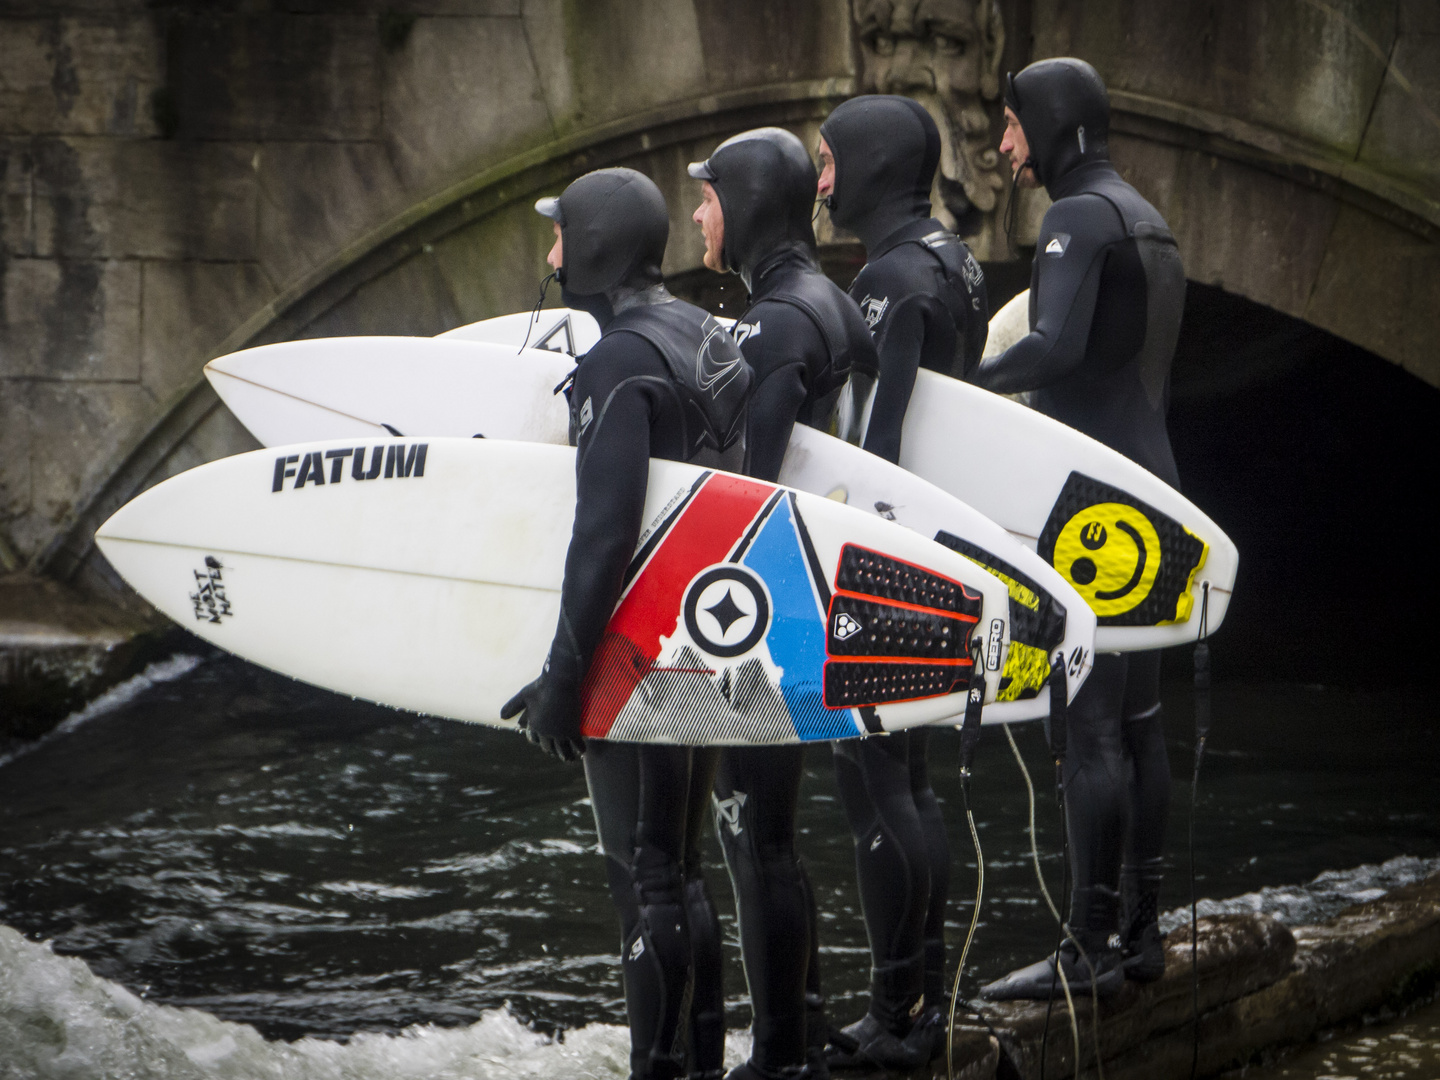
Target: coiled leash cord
(554,275)
(1202,731)
(969,740)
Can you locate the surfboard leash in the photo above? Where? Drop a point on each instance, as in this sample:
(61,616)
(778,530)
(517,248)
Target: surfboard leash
(1202,732)
(1057,738)
(969,740)
(554,275)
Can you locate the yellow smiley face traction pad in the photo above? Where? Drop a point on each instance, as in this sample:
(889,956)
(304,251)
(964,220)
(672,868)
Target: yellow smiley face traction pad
(1133,565)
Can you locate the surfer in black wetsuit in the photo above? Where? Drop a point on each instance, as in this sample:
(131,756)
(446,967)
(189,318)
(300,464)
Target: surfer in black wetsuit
(636,395)
(803,337)
(923,295)
(1106,296)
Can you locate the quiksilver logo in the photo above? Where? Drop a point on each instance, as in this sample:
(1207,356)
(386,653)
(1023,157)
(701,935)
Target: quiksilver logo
(873,308)
(718,359)
(587,413)
(745,331)
(395,459)
(1057,245)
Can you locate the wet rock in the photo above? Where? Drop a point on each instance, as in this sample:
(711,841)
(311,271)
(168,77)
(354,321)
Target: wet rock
(58,649)
(1260,987)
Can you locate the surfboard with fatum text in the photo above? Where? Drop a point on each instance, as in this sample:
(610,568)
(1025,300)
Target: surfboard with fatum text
(425,574)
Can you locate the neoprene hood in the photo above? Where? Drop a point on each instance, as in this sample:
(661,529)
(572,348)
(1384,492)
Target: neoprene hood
(1065,112)
(765,181)
(613,229)
(886,150)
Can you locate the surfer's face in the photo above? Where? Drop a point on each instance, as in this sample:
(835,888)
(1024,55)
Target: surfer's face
(1017,147)
(711,220)
(556,258)
(827,171)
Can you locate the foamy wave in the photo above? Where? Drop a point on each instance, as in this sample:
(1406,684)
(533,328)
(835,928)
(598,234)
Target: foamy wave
(1321,899)
(60,1020)
(162,671)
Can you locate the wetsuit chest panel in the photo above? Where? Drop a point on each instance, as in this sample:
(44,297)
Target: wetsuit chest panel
(708,373)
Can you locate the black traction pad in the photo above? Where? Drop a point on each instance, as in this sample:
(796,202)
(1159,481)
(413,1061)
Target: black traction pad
(859,627)
(870,573)
(850,683)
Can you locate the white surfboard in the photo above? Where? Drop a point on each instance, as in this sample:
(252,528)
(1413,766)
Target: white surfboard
(1008,325)
(1051,615)
(368,387)
(426,575)
(552,329)
(1144,557)
(1145,582)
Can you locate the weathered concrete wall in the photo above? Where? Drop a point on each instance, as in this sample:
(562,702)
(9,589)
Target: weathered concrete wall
(188,178)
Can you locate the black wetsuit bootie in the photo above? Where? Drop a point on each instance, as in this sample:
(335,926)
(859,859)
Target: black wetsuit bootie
(1100,967)
(869,1044)
(879,1039)
(750,1071)
(1143,943)
(1039,981)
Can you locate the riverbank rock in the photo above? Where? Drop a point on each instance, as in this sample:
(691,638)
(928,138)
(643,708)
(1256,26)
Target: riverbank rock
(1261,987)
(58,649)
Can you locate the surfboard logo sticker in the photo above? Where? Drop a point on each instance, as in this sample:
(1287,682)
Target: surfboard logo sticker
(209,600)
(390,460)
(1037,622)
(1132,564)
(727,610)
(561,329)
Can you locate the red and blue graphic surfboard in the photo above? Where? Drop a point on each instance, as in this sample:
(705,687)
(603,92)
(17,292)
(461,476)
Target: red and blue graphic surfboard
(729,624)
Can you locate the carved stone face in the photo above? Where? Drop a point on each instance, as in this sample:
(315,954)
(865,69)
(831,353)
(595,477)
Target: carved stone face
(946,55)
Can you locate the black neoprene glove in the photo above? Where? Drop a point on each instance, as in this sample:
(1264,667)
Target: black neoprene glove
(550,714)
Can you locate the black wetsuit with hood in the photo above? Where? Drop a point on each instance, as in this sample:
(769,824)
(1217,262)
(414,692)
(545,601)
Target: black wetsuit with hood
(803,337)
(636,396)
(1106,295)
(923,295)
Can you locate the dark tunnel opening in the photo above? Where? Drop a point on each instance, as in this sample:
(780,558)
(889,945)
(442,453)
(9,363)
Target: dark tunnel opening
(1317,458)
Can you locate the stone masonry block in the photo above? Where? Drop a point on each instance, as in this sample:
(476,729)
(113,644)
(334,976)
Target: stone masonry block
(17,219)
(657,37)
(146,198)
(1403,138)
(218,435)
(283,76)
(79,76)
(189,309)
(70,319)
(315,198)
(462,92)
(411,298)
(1293,67)
(78,431)
(15,448)
(1379,286)
(754,42)
(1246,230)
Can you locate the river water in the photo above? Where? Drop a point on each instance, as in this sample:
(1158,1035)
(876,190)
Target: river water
(341,890)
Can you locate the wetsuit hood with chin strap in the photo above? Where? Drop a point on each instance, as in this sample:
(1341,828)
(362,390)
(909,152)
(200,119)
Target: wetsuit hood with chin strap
(886,151)
(765,182)
(613,229)
(1064,109)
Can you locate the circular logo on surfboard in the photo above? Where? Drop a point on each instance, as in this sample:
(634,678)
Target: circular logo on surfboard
(1110,552)
(726,610)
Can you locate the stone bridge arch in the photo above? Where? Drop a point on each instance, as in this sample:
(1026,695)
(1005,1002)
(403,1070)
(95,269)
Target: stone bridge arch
(1326,213)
